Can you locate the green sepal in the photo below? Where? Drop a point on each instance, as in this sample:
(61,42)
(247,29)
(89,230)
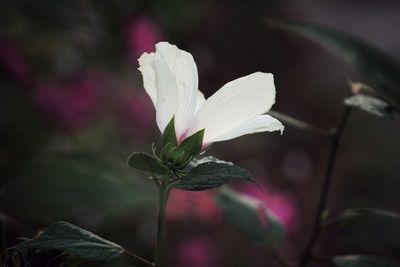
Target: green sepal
(145,162)
(192,145)
(169,135)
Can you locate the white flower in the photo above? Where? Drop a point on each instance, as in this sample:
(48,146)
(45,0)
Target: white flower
(170,78)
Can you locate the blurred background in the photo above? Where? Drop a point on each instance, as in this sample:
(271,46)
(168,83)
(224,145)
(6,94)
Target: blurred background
(73,108)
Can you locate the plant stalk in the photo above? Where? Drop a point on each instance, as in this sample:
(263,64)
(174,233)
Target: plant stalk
(164,191)
(317,226)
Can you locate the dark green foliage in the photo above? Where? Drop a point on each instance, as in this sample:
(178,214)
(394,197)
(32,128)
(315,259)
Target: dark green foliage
(145,162)
(211,174)
(381,71)
(75,241)
(366,231)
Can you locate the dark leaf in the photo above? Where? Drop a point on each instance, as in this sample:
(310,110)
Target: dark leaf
(365,231)
(365,261)
(169,135)
(251,217)
(75,241)
(145,162)
(380,70)
(85,186)
(211,174)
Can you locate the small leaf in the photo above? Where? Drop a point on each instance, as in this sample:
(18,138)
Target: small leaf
(380,70)
(251,217)
(370,104)
(365,261)
(210,174)
(365,231)
(169,135)
(75,241)
(192,145)
(145,162)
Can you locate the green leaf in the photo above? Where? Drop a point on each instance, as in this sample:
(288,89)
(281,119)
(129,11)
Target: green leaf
(74,240)
(250,217)
(365,261)
(169,135)
(85,187)
(192,145)
(381,71)
(211,174)
(145,162)
(365,231)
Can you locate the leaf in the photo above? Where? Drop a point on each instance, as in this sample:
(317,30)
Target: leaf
(192,145)
(365,261)
(84,187)
(211,174)
(380,70)
(365,231)
(145,162)
(74,240)
(169,135)
(370,104)
(250,217)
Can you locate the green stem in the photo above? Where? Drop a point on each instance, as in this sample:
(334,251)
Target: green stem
(163,198)
(335,139)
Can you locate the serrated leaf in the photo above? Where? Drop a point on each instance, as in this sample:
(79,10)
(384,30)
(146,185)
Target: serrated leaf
(365,261)
(365,231)
(250,217)
(380,70)
(75,241)
(169,135)
(210,174)
(145,162)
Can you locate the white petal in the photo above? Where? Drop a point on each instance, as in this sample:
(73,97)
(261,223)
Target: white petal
(237,102)
(170,78)
(146,68)
(167,93)
(200,100)
(261,123)
(184,71)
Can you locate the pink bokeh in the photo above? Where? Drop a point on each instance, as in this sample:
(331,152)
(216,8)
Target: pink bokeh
(136,112)
(183,205)
(280,204)
(70,104)
(13,61)
(196,251)
(141,34)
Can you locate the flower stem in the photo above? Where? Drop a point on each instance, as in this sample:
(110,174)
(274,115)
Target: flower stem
(335,139)
(164,190)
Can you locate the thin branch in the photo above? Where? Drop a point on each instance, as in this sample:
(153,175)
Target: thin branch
(335,139)
(301,124)
(133,255)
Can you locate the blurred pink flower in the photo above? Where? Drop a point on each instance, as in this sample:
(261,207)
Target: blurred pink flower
(142,33)
(281,204)
(136,112)
(198,205)
(197,251)
(13,61)
(70,104)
